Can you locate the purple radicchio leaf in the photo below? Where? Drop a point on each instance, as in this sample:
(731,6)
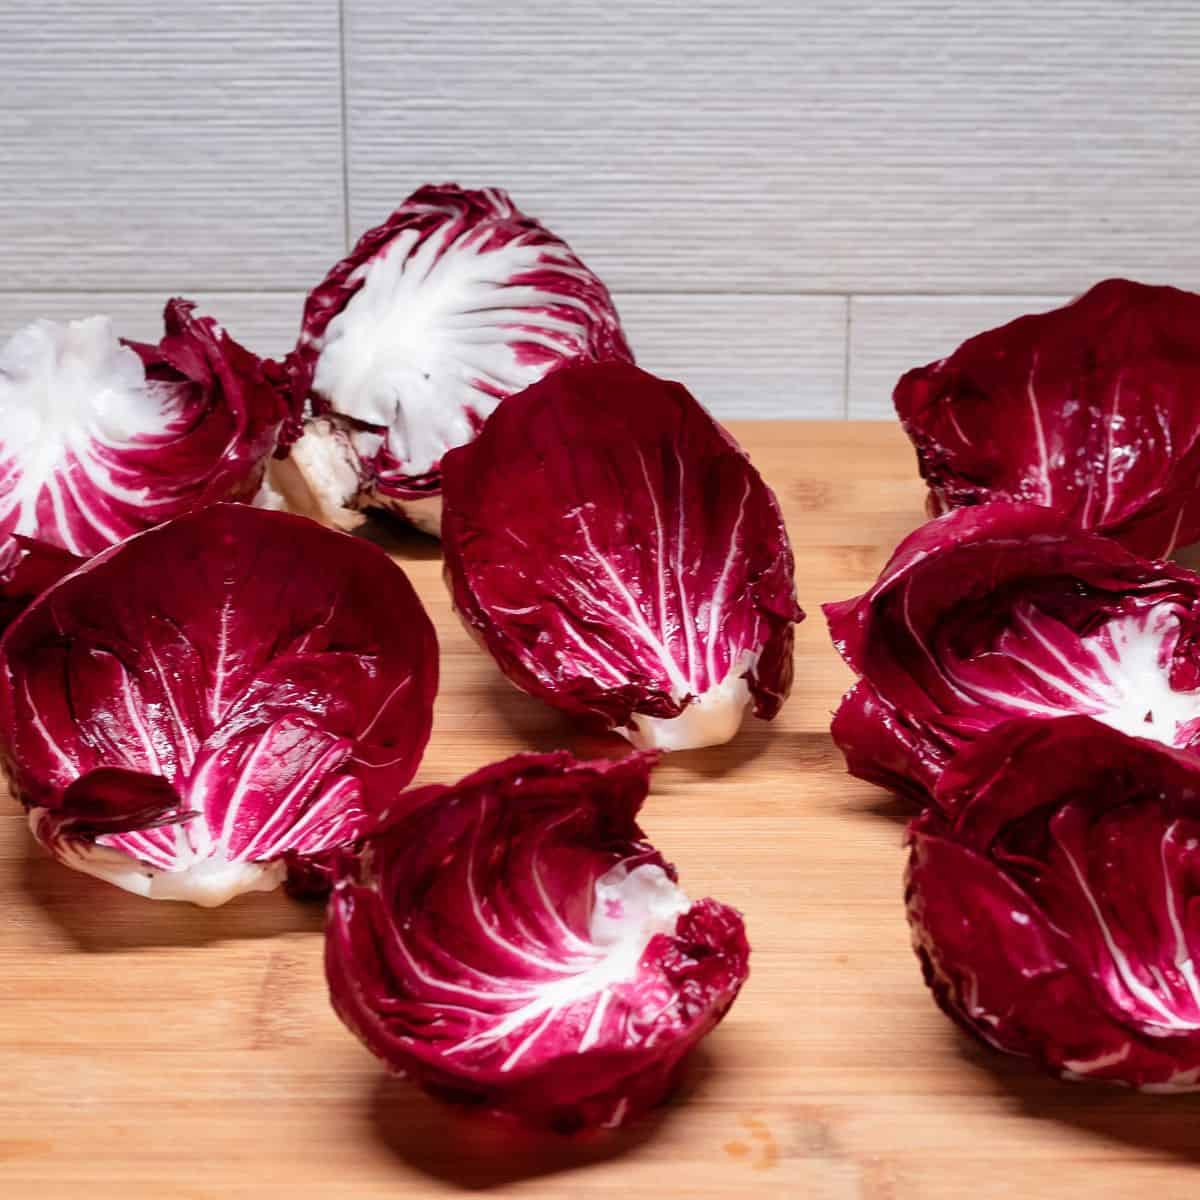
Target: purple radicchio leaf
(234,687)
(1053,894)
(1008,610)
(1090,409)
(101,438)
(513,942)
(456,301)
(635,571)
(27,568)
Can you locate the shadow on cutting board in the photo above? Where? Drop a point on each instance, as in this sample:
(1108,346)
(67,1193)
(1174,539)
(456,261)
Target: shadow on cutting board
(543,728)
(477,1153)
(538,726)
(883,805)
(398,538)
(100,918)
(1152,1125)
(752,741)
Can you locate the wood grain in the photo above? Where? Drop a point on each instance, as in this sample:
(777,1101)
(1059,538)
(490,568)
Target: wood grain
(159,1051)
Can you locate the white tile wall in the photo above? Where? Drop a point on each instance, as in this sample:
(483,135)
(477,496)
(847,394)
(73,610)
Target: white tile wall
(793,201)
(163,147)
(266,321)
(889,334)
(767,356)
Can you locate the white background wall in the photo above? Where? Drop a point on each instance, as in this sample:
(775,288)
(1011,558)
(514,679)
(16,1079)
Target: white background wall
(792,201)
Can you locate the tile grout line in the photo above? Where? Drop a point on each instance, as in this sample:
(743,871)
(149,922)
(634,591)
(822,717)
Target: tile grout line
(846,359)
(345,127)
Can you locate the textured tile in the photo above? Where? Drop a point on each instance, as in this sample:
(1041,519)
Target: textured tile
(890,334)
(266,323)
(745,356)
(170,146)
(742,356)
(908,146)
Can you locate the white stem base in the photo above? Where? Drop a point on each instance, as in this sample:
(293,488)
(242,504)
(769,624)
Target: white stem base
(207,882)
(320,478)
(711,719)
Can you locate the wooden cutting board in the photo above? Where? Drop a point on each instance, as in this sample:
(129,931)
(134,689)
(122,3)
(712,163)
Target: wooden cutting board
(157,1050)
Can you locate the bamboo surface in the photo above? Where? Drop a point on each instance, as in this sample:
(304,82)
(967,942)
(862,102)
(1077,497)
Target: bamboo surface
(157,1050)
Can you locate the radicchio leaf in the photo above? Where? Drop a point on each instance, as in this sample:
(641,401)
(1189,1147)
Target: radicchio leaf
(27,568)
(1055,911)
(101,438)
(456,301)
(514,942)
(634,571)
(1092,409)
(1008,610)
(212,695)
